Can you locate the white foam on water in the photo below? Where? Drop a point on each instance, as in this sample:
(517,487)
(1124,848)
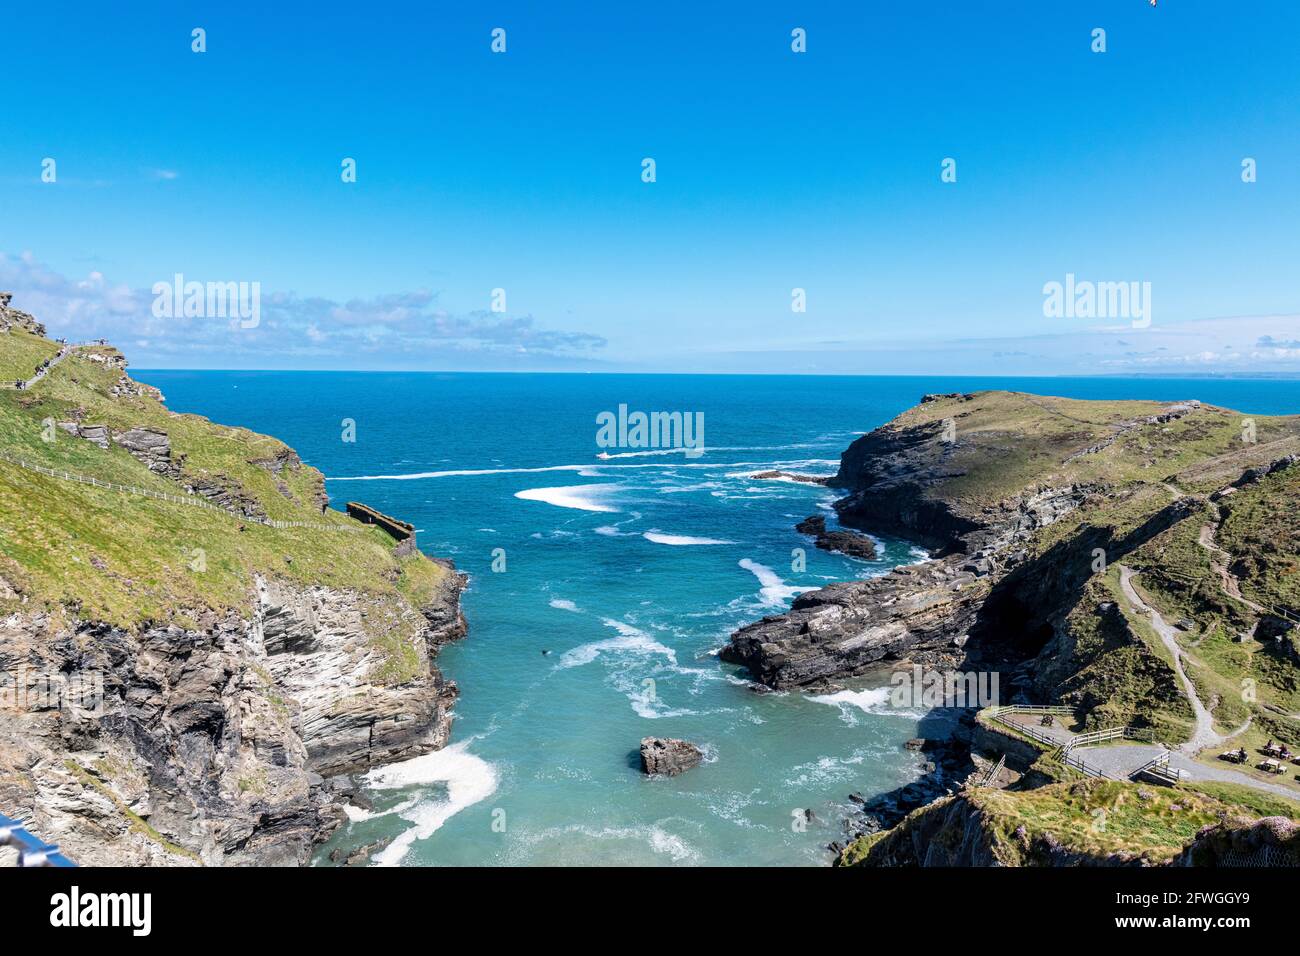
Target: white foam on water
(678,849)
(563,605)
(658,839)
(657,451)
(649,705)
(682,450)
(597,466)
(668,489)
(612,530)
(468,779)
(867,700)
(630,639)
(785,478)
(569,496)
(825,771)
(550,535)
(871,701)
(459,473)
(773,591)
(361,814)
(680,540)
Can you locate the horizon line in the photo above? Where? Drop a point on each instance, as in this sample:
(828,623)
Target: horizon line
(1242,376)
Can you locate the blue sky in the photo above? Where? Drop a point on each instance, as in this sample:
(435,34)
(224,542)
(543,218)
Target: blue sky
(775,170)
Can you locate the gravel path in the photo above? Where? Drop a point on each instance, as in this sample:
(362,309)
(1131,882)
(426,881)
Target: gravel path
(1204,735)
(1120,761)
(1199,771)
(1221,562)
(63,353)
(1055,731)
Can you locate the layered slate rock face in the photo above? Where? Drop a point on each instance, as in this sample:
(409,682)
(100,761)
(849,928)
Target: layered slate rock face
(668,757)
(317,649)
(974,478)
(846,629)
(210,744)
(177,688)
(150,447)
(11,318)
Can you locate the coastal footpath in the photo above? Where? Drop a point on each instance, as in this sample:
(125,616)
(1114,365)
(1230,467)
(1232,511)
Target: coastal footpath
(1132,562)
(197,655)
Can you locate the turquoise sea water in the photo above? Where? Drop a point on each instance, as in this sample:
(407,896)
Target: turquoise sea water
(623,576)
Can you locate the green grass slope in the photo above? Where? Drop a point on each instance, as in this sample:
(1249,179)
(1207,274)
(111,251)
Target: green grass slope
(89,553)
(1007,442)
(1090,822)
(1155,474)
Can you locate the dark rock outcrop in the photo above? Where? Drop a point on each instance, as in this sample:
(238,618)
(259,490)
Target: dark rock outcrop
(668,757)
(1237,842)
(894,477)
(226,493)
(777,475)
(213,744)
(150,447)
(16,318)
(846,629)
(843,542)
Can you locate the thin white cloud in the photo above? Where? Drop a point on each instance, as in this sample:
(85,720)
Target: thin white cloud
(393,329)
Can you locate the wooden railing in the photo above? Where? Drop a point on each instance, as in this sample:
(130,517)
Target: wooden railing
(1158,767)
(1071,759)
(1111,733)
(1029,709)
(1000,713)
(1066,752)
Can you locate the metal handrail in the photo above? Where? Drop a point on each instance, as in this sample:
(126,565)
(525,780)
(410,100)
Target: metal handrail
(32,850)
(993,772)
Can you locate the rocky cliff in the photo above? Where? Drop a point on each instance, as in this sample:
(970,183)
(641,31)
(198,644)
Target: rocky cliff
(1024,502)
(1088,823)
(1038,512)
(179,686)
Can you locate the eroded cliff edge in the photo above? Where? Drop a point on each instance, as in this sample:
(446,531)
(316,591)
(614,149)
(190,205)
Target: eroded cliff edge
(181,686)
(1041,513)
(1027,504)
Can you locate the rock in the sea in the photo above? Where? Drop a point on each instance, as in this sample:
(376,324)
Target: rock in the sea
(845,542)
(667,756)
(777,475)
(813,524)
(358,856)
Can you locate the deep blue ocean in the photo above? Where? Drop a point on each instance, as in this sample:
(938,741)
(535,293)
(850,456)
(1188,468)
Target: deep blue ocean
(618,580)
